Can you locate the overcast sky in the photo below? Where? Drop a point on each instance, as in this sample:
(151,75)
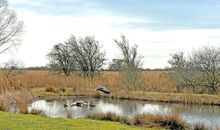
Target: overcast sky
(158,27)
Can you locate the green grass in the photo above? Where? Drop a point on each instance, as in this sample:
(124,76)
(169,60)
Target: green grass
(11,121)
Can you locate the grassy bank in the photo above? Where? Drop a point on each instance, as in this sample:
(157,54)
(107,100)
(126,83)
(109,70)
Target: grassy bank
(184,98)
(11,121)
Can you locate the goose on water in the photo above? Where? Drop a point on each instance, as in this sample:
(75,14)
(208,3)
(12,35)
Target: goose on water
(65,105)
(81,104)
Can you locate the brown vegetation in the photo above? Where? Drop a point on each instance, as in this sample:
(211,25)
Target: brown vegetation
(199,126)
(154,86)
(50,89)
(151,81)
(14,93)
(110,117)
(171,121)
(34,111)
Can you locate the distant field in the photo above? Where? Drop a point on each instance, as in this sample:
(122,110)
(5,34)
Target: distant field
(153,81)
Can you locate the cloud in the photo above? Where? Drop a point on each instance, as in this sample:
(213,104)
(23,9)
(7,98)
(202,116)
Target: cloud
(43,31)
(167,15)
(57,7)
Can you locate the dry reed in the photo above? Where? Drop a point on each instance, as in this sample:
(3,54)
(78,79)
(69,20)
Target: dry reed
(171,121)
(15,93)
(199,126)
(150,81)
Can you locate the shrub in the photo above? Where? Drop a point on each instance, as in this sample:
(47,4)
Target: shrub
(50,89)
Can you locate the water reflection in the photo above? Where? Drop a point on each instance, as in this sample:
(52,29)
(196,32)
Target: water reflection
(108,107)
(207,114)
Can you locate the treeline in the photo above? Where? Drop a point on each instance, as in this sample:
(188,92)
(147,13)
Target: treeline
(199,71)
(87,56)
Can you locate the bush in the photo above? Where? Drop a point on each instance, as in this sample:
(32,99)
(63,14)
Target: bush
(50,89)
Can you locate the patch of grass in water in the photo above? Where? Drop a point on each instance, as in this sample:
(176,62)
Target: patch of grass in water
(171,121)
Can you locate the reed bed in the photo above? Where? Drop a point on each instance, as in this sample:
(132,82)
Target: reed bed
(171,121)
(152,86)
(110,117)
(153,81)
(15,95)
(199,126)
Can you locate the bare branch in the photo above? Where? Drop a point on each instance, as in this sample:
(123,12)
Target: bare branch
(10,28)
(200,71)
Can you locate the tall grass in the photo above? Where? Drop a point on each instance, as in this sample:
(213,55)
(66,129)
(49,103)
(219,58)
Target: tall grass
(14,93)
(171,121)
(34,111)
(110,117)
(17,99)
(157,84)
(156,81)
(199,126)
(150,81)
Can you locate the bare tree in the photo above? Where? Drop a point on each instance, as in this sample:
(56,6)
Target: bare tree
(87,54)
(207,61)
(132,60)
(185,74)
(178,61)
(129,53)
(200,70)
(117,65)
(10,28)
(61,60)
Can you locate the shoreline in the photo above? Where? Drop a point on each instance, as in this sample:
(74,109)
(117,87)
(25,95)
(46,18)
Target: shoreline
(178,98)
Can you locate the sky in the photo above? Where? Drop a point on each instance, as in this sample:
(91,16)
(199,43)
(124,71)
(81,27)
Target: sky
(158,27)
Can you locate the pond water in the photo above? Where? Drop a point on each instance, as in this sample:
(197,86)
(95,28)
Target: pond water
(209,115)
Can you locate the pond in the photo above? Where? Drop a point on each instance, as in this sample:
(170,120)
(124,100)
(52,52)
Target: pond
(209,115)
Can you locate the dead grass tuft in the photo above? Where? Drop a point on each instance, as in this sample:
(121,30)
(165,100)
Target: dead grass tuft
(110,117)
(199,126)
(50,88)
(37,112)
(171,121)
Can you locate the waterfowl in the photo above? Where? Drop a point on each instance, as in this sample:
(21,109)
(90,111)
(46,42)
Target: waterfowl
(65,105)
(103,89)
(81,104)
